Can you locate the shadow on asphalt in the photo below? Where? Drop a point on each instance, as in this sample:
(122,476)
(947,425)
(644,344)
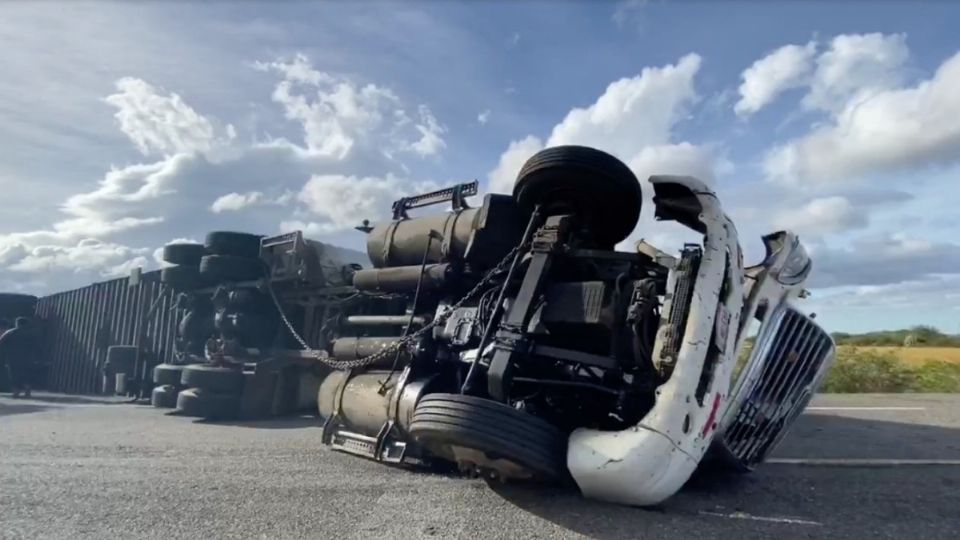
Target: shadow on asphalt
(9,409)
(287,422)
(819,493)
(79,400)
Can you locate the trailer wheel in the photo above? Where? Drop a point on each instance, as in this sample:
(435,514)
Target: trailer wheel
(164,396)
(596,186)
(236,244)
(489,437)
(218,268)
(167,374)
(203,403)
(184,254)
(181,278)
(212,378)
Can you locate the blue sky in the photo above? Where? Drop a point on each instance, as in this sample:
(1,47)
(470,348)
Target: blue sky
(126,126)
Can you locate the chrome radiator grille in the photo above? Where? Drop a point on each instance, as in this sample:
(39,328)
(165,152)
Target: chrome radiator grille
(790,358)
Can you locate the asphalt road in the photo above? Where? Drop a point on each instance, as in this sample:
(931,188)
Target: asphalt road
(87,468)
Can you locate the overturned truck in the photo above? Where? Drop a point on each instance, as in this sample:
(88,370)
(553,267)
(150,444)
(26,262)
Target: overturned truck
(515,341)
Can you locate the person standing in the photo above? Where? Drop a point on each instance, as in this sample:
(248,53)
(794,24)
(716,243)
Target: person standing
(18,354)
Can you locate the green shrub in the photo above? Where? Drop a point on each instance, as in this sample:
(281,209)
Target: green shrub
(868,371)
(871,371)
(937,376)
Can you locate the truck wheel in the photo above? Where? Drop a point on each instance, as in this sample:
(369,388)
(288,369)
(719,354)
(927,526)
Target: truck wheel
(596,186)
(164,396)
(184,254)
(203,403)
(489,437)
(167,374)
(212,378)
(181,278)
(236,244)
(218,268)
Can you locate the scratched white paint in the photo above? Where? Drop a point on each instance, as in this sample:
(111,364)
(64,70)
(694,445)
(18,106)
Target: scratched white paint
(649,462)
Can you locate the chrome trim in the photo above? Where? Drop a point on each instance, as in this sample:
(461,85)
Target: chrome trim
(785,368)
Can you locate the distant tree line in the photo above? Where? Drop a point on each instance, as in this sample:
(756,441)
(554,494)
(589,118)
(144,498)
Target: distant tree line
(917,336)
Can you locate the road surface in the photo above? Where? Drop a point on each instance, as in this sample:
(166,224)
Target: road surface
(72,467)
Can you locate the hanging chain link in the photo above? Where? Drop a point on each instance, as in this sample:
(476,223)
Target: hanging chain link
(324,358)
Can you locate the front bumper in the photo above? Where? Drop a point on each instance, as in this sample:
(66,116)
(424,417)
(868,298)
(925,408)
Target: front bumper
(645,464)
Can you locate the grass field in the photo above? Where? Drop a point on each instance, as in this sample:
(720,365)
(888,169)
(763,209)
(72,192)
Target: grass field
(913,356)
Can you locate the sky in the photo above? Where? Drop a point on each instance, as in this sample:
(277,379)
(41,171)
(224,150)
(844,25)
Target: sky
(124,127)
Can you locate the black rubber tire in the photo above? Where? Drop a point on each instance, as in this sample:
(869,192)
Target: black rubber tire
(13,305)
(203,403)
(121,359)
(221,380)
(220,268)
(181,278)
(164,396)
(167,374)
(235,244)
(496,429)
(594,185)
(184,254)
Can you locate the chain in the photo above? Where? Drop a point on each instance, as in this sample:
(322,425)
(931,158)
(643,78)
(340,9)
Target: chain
(324,358)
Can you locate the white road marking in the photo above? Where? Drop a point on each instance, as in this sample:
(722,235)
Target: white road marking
(864,462)
(866,408)
(744,515)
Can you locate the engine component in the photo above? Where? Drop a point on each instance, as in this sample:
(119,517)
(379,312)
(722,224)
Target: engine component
(404,278)
(676,309)
(351,348)
(386,320)
(461,326)
(596,187)
(479,236)
(361,403)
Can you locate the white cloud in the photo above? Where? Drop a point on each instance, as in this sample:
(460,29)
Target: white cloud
(232,202)
(822,216)
(483,117)
(502,178)
(87,254)
(159,123)
(430,142)
(633,112)
(342,118)
(682,159)
(353,136)
(785,68)
(345,201)
(890,131)
(124,268)
(854,67)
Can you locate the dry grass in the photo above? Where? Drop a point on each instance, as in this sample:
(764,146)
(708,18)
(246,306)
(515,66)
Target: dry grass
(915,356)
